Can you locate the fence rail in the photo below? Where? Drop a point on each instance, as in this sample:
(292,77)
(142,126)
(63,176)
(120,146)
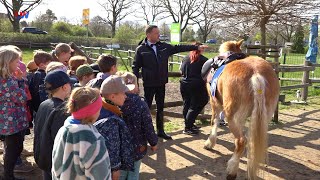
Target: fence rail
(28,44)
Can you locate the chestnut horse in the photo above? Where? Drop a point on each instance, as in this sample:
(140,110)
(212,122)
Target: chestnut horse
(246,88)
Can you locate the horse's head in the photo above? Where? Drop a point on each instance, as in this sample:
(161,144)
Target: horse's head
(232,46)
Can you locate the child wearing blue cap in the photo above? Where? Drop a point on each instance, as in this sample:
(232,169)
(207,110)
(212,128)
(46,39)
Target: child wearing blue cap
(49,118)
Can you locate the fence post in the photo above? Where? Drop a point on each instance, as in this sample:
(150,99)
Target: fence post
(284,62)
(100,50)
(171,64)
(305,80)
(129,57)
(276,68)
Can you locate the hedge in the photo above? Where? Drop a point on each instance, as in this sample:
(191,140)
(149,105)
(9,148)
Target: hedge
(52,38)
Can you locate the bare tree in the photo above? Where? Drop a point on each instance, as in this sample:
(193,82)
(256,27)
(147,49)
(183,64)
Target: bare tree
(16,6)
(116,10)
(45,21)
(235,29)
(264,11)
(149,10)
(99,27)
(205,21)
(164,29)
(182,11)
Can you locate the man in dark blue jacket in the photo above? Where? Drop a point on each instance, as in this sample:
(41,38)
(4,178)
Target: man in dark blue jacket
(152,57)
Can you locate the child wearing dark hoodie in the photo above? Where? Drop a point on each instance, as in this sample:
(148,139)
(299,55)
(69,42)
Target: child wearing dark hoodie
(112,127)
(137,116)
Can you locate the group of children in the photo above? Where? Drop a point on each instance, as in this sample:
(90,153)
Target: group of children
(88,124)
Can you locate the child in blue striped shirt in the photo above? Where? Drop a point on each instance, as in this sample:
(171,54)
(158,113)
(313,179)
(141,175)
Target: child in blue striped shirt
(79,151)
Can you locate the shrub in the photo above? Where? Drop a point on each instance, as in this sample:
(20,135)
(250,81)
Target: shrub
(61,27)
(20,38)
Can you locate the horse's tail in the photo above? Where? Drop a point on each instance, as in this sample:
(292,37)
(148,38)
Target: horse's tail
(257,140)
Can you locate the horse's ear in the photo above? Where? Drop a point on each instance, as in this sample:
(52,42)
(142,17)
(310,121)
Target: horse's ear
(239,43)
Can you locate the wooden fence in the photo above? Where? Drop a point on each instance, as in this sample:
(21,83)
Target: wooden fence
(28,44)
(272,54)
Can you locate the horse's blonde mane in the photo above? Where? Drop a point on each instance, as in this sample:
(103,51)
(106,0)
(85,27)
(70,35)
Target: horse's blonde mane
(233,46)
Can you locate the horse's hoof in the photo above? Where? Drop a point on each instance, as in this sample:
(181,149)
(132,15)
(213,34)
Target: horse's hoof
(231,177)
(207,148)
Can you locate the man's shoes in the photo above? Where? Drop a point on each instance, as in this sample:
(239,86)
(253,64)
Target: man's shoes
(164,135)
(191,132)
(22,168)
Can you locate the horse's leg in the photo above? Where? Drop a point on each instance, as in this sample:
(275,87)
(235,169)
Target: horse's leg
(240,142)
(211,141)
(215,109)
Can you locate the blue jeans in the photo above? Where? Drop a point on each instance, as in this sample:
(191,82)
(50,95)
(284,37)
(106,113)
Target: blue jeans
(129,175)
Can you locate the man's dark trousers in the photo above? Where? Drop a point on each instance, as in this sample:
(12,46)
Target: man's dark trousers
(159,93)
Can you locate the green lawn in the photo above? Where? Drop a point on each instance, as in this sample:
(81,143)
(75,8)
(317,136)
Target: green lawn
(27,54)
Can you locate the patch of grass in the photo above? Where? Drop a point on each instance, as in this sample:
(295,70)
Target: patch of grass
(203,122)
(273,123)
(27,53)
(312,102)
(173,125)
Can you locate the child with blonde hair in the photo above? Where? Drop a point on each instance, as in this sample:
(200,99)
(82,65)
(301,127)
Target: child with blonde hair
(54,65)
(79,141)
(13,115)
(62,53)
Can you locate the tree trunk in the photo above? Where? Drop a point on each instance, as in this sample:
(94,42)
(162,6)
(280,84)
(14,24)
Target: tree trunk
(263,22)
(204,37)
(113,30)
(16,24)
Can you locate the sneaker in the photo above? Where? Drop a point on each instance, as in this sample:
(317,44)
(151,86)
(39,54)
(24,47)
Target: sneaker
(190,132)
(22,168)
(223,123)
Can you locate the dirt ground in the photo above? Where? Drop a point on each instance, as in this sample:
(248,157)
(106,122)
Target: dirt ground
(294,150)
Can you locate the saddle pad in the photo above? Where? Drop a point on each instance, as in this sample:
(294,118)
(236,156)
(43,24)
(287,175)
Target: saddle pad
(214,80)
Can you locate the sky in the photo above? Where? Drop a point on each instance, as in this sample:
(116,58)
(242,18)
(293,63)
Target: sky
(71,9)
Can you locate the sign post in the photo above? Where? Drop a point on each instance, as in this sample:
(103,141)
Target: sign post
(175,33)
(85,20)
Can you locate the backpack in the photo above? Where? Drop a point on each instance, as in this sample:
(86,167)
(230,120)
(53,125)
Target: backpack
(43,93)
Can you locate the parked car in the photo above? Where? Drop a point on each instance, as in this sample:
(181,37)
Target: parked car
(211,41)
(33,30)
(164,38)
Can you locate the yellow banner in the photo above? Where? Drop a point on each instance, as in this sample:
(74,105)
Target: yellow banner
(85,16)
